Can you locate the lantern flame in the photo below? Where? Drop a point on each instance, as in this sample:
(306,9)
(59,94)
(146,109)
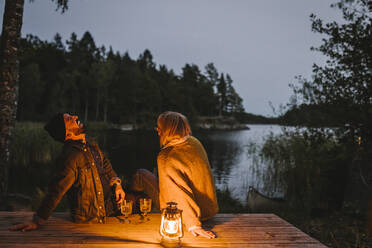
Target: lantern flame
(171,226)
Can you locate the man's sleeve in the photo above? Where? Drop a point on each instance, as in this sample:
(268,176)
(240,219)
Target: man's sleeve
(174,186)
(61,183)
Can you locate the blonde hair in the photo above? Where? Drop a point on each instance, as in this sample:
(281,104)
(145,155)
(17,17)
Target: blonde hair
(173,125)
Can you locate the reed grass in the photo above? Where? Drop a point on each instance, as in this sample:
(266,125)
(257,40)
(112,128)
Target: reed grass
(32,145)
(228,204)
(314,167)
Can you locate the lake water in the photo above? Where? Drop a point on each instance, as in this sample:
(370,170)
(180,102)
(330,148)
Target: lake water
(234,156)
(236,162)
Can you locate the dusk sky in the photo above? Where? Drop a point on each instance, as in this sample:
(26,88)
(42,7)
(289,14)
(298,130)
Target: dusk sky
(262,44)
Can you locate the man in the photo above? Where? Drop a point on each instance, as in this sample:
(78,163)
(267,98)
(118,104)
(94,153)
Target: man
(83,172)
(184,172)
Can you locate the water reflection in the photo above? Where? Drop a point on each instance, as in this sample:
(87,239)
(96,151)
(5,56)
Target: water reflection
(223,149)
(236,161)
(129,151)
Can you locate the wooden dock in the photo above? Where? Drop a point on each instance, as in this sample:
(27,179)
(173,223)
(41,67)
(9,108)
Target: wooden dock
(233,230)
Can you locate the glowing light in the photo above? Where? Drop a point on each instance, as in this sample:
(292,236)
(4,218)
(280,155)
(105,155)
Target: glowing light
(171,222)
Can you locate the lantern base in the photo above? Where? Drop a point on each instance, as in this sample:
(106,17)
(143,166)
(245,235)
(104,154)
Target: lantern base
(170,243)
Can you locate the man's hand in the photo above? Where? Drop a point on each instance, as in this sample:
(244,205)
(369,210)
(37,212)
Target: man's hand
(119,193)
(199,231)
(28,226)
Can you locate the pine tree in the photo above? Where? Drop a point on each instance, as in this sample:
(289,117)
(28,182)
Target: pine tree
(222,94)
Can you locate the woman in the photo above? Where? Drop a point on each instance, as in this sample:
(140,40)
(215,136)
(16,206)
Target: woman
(184,172)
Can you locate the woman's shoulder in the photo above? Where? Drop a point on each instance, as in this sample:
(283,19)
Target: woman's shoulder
(193,139)
(170,156)
(164,154)
(194,142)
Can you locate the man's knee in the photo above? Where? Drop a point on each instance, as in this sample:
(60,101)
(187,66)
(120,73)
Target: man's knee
(143,172)
(137,183)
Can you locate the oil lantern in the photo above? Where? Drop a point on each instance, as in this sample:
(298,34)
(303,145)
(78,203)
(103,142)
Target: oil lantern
(171,223)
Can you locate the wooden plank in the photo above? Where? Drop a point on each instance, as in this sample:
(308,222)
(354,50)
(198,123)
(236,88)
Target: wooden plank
(233,230)
(128,245)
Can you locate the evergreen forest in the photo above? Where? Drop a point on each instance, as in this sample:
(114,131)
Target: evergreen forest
(99,84)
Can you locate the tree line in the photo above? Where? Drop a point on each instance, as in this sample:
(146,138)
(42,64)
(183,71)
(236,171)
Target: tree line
(339,94)
(99,84)
(338,97)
